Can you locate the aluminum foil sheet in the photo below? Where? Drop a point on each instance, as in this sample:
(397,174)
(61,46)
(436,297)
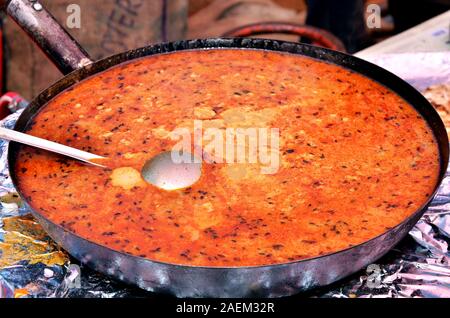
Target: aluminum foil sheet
(31,265)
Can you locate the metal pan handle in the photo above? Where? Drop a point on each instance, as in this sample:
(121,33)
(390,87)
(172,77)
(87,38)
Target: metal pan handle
(47,33)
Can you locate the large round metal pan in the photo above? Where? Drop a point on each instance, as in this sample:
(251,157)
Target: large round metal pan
(196,281)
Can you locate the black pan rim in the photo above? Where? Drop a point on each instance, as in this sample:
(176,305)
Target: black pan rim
(367,69)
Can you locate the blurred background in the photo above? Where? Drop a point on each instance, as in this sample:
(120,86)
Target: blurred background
(112,26)
(344,18)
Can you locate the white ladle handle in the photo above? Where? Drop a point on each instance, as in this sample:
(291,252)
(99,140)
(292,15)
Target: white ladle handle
(12,135)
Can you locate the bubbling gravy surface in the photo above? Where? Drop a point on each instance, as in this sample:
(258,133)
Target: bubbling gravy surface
(354,159)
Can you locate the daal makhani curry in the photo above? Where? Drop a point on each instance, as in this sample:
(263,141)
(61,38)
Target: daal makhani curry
(355,159)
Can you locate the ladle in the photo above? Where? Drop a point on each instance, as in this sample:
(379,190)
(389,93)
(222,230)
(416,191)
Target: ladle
(161,170)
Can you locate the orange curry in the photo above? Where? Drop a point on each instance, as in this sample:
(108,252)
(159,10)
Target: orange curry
(354,159)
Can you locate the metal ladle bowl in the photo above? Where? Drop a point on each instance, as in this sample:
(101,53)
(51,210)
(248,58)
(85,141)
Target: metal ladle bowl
(164,172)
